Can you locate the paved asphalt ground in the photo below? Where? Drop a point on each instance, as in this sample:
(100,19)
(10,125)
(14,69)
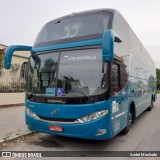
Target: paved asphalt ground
(12,122)
(144,135)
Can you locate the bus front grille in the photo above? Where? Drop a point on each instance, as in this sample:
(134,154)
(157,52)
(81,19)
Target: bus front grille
(56,119)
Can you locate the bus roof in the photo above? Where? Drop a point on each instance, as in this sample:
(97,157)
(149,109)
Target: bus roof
(109,10)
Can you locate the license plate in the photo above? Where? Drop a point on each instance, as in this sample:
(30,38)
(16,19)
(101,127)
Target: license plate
(56,128)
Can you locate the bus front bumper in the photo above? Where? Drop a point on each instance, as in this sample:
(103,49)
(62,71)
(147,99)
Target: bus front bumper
(99,129)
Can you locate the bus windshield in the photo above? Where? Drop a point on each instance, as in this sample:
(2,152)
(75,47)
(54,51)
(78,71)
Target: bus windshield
(76,26)
(67,73)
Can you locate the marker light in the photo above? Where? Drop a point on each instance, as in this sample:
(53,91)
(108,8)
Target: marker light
(93,116)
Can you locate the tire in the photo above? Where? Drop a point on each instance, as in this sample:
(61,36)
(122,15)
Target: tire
(151,106)
(126,129)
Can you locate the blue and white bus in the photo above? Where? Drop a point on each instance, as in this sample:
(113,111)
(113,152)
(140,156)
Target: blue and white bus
(88,76)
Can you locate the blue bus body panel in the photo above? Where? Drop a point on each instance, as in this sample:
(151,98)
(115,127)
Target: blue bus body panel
(86,130)
(119,114)
(97,41)
(107,46)
(83,130)
(65,111)
(142,103)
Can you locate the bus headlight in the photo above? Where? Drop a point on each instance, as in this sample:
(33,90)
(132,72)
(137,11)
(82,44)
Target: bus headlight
(32,114)
(93,116)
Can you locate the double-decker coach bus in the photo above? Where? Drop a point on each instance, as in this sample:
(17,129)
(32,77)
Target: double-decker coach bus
(88,76)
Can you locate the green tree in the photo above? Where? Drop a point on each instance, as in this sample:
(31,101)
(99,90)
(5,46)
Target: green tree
(49,66)
(158,78)
(13,72)
(1,61)
(1,58)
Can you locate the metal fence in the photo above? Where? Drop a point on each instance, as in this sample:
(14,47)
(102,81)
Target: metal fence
(13,80)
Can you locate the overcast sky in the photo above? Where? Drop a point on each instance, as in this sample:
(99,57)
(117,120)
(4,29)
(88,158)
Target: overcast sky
(21,20)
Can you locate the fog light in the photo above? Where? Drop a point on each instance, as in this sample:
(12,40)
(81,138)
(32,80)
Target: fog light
(101,132)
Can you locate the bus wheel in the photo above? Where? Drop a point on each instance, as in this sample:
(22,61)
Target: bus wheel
(126,129)
(151,106)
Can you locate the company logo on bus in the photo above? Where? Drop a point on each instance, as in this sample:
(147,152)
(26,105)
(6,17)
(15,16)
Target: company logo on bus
(83,58)
(56,101)
(55,111)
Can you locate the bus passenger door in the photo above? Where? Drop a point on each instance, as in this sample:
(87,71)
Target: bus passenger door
(116,98)
(118,114)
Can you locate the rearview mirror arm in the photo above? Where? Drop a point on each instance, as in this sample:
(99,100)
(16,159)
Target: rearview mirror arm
(9,52)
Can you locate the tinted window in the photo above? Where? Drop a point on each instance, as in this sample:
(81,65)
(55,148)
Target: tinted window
(81,70)
(115,77)
(73,27)
(42,72)
(124,74)
(59,74)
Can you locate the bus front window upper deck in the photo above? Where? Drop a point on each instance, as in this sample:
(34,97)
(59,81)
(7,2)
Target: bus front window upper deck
(75,26)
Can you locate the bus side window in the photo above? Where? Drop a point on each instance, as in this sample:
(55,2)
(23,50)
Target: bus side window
(123,75)
(115,78)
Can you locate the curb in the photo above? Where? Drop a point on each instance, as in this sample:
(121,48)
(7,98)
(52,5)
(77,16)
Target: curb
(16,137)
(11,105)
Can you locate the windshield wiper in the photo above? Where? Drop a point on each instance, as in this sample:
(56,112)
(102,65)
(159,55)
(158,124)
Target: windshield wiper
(83,94)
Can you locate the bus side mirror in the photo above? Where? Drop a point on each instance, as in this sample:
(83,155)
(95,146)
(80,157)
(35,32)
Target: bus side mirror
(109,37)
(108,46)
(9,52)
